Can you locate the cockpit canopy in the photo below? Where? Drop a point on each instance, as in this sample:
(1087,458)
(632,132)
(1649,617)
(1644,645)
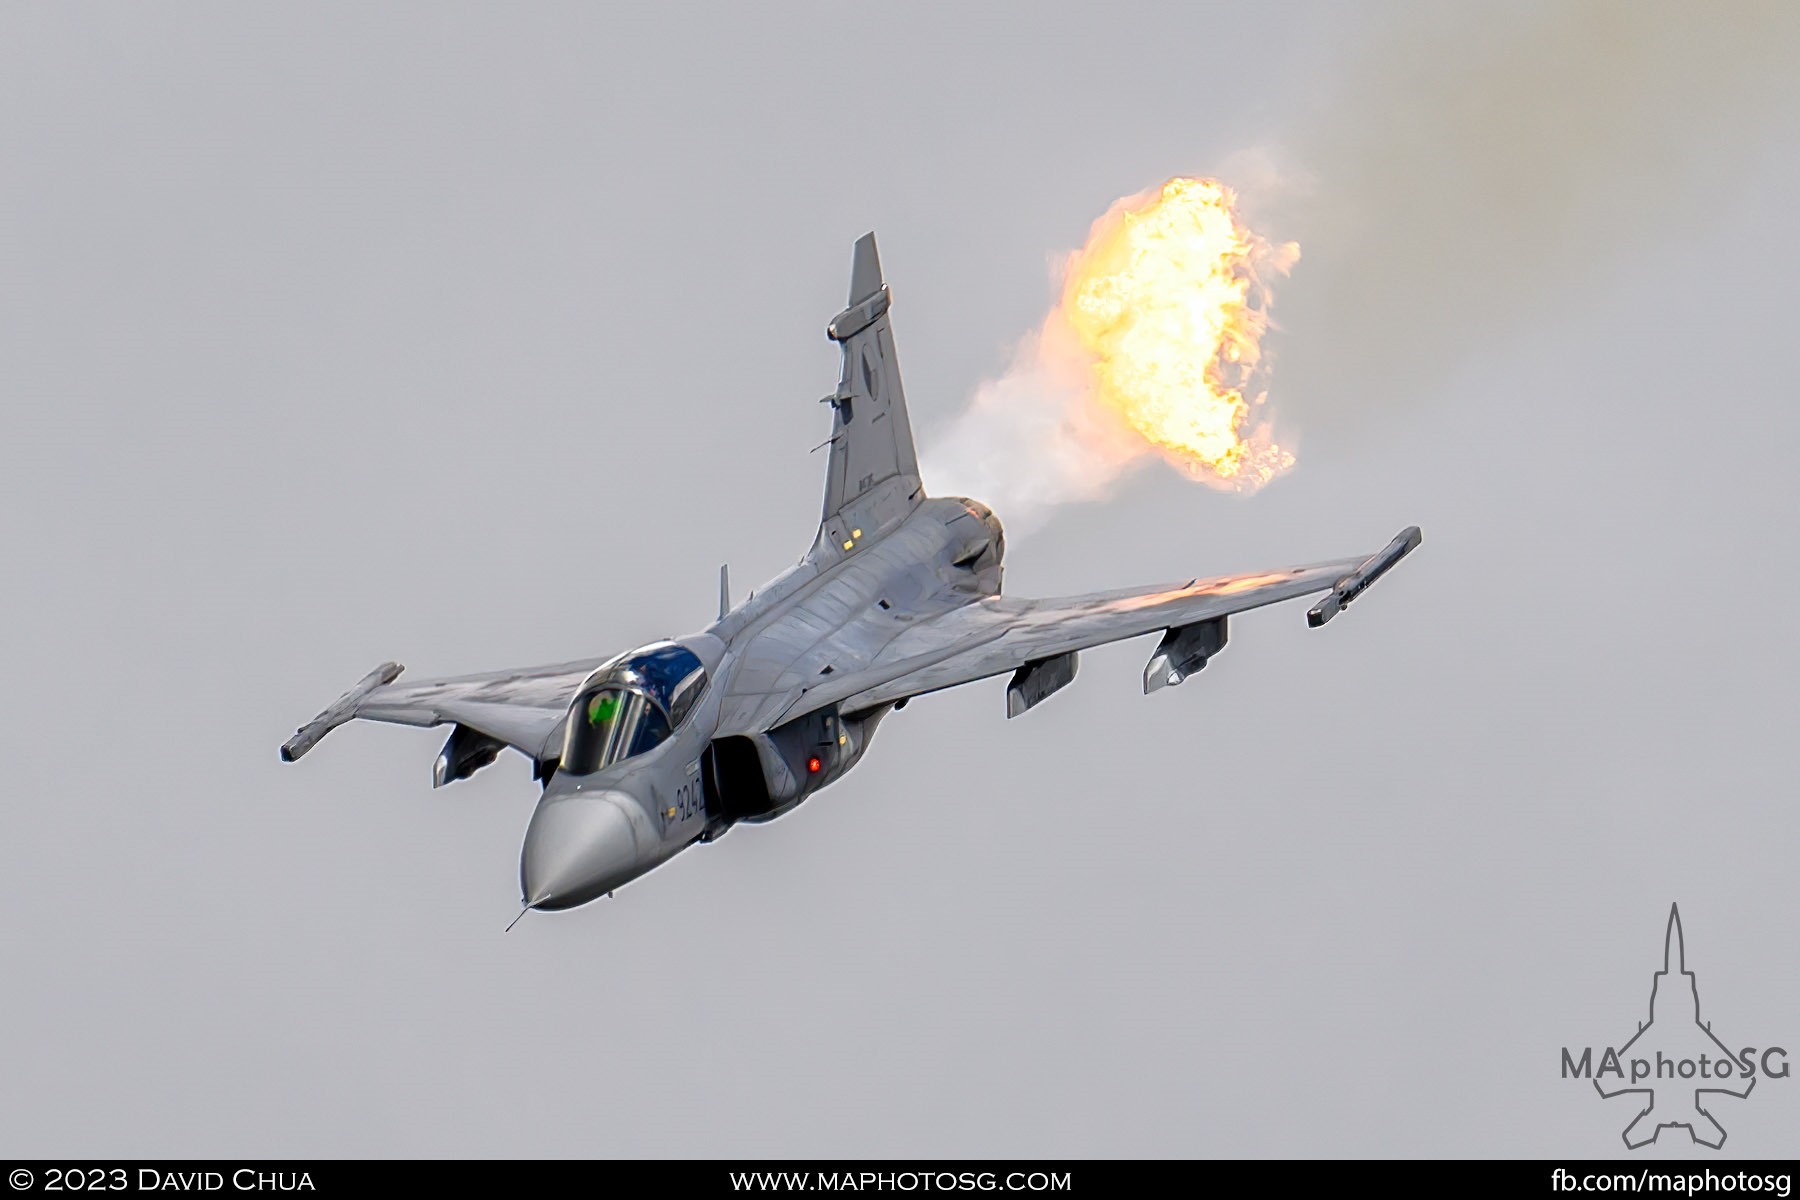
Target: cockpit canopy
(630,706)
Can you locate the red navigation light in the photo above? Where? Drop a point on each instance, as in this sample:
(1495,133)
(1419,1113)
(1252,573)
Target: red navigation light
(814,765)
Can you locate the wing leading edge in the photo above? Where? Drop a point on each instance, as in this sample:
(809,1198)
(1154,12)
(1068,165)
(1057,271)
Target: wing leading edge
(522,708)
(1001,633)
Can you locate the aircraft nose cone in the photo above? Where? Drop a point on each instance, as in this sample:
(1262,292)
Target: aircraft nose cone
(577,847)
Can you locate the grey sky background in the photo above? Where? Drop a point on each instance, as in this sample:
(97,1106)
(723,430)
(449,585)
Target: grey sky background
(475,337)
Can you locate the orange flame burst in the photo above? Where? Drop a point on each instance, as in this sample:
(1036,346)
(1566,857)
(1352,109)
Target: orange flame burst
(1168,304)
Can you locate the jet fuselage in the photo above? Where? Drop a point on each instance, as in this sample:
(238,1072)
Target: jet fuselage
(833,612)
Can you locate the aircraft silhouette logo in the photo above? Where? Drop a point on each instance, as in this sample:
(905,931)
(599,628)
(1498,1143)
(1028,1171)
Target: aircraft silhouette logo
(1674,1063)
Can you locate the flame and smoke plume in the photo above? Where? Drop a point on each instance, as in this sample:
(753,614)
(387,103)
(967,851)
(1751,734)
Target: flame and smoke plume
(1154,347)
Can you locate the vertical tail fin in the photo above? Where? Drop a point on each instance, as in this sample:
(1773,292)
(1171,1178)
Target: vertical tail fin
(872,477)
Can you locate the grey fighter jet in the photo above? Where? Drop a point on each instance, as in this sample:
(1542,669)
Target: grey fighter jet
(647,753)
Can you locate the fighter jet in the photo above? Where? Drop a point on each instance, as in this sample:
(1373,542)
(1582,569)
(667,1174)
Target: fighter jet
(649,752)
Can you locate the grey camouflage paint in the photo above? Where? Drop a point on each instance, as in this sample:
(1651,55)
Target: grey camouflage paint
(899,595)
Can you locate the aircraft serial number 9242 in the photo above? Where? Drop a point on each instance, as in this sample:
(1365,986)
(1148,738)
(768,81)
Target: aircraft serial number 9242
(646,753)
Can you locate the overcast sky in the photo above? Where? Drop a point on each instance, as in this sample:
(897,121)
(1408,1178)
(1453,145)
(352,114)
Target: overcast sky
(474,336)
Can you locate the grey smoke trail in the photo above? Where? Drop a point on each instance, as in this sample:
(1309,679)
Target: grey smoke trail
(1481,166)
